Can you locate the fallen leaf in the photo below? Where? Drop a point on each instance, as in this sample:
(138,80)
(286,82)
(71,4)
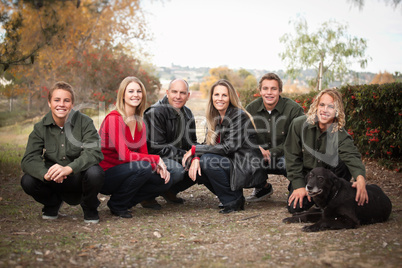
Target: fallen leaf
(157,234)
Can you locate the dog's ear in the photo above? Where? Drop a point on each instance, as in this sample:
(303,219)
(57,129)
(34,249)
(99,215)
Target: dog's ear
(336,181)
(308,175)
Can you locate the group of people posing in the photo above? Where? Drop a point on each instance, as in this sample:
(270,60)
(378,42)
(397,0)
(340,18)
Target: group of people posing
(140,154)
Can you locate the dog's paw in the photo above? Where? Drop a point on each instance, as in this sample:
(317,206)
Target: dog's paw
(291,220)
(287,220)
(310,228)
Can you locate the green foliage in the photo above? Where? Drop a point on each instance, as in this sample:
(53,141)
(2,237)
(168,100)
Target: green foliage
(9,118)
(249,90)
(10,158)
(373,119)
(329,46)
(304,100)
(247,95)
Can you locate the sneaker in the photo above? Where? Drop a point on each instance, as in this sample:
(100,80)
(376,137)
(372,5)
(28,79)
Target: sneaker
(151,203)
(170,197)
(122,214)
(51,213)
(91,216)
(260,193)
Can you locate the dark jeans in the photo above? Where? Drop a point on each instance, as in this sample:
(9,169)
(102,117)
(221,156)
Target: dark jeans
(176,170)
(341,170)
(130,183)
(276,166)
(182,185)
(215,170)
(82,188)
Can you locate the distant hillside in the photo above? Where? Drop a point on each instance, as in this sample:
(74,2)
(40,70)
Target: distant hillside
(196,75)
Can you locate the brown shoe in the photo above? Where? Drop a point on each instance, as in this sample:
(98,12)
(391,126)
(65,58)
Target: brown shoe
(170,197)
(151,203)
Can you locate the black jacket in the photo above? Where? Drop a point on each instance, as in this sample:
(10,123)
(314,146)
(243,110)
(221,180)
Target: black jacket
(238,142)
(170,133)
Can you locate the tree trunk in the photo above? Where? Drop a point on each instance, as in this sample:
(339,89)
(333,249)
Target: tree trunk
(29,102)
(10,109)
(320,77)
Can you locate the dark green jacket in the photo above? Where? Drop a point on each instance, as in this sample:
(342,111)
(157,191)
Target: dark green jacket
(272,129)
(76,145)
(306,148)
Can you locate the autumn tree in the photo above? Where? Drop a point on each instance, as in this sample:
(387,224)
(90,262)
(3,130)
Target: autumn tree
(329,50)
(14,50)
(30,26)
(383,78)
(216,74)
(97,75)
(242,80)
(94,29)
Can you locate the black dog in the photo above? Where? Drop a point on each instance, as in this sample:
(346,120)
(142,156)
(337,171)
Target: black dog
(339,210)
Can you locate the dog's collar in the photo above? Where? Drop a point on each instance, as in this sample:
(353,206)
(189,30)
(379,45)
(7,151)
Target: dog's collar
(336,193)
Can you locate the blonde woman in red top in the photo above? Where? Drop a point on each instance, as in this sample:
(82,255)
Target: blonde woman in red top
(131,174)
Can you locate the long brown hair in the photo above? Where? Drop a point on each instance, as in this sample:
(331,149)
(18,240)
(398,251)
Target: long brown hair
(120,104)
(339,110)
(212,114)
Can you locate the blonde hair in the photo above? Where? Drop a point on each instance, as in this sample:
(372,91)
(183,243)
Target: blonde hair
(120,104)
(339,119)
(212,114)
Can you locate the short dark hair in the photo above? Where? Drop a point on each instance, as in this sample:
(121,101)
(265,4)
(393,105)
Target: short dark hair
(62,85)
(270,76)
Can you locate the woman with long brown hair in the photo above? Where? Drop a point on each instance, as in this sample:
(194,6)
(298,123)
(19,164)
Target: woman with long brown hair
(230,160)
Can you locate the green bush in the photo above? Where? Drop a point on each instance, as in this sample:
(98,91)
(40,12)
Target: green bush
(373,119)
(10,118)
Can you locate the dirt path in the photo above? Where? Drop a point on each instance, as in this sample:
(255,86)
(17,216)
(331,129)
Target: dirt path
(193,234)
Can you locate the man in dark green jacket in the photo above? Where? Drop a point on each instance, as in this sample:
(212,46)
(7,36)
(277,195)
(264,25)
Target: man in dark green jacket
(61,158)
(320,140)
(272,116)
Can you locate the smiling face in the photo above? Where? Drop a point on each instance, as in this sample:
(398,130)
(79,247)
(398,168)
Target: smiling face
(270,93)
(60,104)
(133,96)
(220,99)
(177,94)
(326,111)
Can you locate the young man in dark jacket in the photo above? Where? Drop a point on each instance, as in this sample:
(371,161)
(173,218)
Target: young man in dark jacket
(171,131)
(272,116)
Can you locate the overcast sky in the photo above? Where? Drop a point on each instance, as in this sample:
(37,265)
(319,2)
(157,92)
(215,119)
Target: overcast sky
(245,33)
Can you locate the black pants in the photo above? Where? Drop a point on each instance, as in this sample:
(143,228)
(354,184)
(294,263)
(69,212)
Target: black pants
(82,188)
(341,171)
(131,183)
(276,166)
(215,175)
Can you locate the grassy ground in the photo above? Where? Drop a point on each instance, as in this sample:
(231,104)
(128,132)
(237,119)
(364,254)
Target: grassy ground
(189,235)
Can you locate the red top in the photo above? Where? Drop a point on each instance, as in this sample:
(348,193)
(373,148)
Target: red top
(119,147)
